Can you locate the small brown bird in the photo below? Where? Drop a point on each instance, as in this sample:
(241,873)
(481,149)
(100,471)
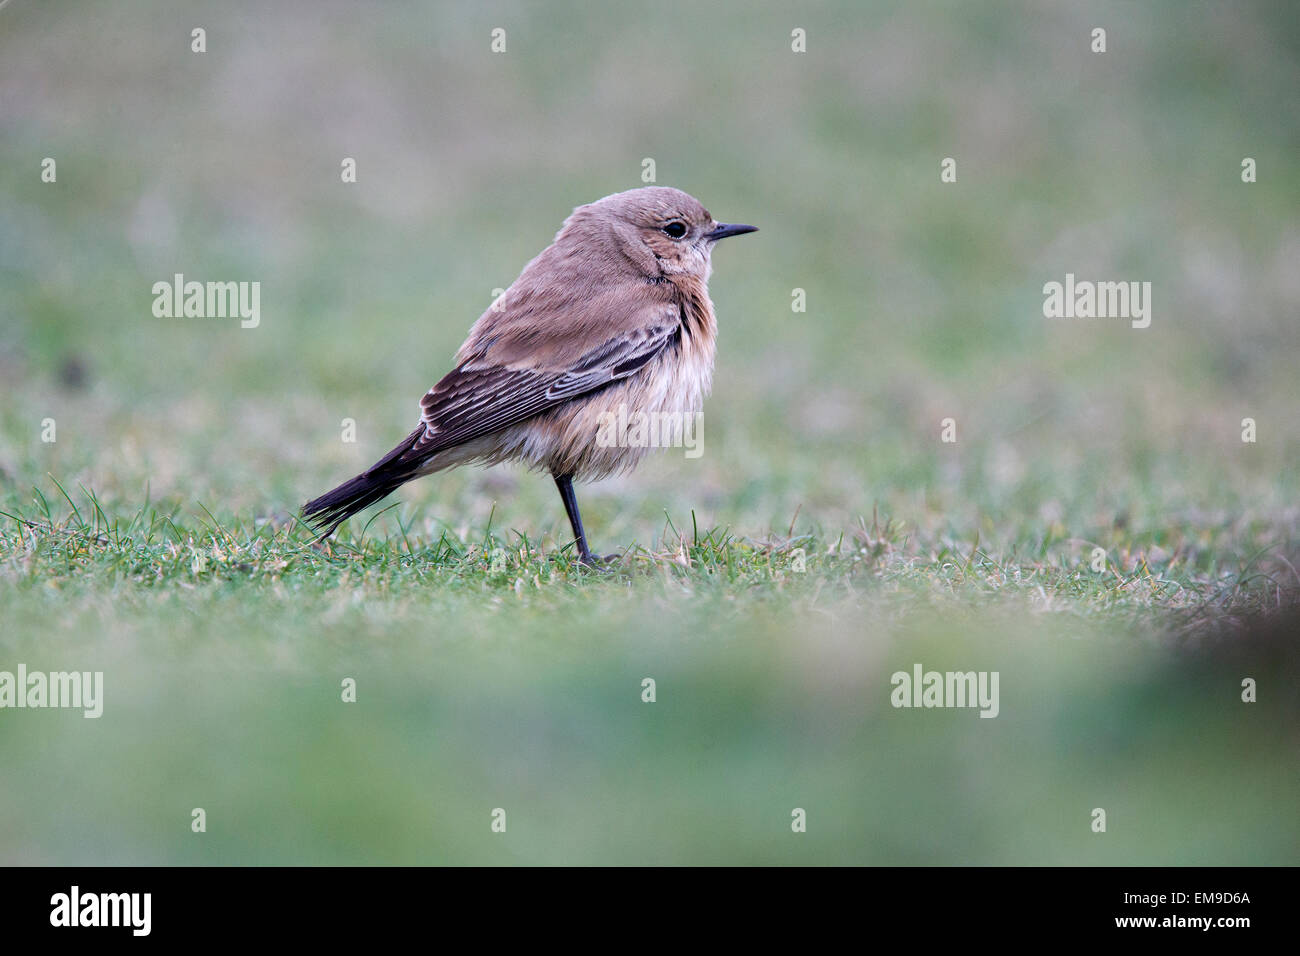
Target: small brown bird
(614,315)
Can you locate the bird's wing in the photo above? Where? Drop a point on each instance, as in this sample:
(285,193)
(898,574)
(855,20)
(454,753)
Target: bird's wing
(481,397)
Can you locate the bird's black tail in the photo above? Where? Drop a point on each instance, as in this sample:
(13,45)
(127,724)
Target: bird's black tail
(388,474)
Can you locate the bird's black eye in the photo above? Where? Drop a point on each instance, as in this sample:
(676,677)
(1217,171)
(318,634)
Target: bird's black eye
(675,229)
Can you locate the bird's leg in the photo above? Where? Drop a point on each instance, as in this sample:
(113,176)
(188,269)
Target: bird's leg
(565,484)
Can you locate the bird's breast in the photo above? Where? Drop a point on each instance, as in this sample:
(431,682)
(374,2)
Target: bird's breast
(687,367)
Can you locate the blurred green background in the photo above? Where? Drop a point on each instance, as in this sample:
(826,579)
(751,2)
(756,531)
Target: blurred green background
(520,688)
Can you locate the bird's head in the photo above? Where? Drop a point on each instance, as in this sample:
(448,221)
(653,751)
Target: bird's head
(660,230)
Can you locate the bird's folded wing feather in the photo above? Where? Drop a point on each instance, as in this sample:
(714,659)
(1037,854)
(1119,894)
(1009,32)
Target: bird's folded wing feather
(480,397)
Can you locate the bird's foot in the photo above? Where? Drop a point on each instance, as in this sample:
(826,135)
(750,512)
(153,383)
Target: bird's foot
(596,563)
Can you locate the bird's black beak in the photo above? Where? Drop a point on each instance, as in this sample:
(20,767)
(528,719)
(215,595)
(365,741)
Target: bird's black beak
(725,229)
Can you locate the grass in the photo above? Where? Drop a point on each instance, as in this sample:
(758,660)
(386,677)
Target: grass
(512,679)
(1212,575)
(826,538)
(493,671)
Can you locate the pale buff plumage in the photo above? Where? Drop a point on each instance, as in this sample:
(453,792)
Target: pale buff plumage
(615,312)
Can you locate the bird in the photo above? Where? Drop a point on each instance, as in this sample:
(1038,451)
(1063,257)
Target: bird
(614,315)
